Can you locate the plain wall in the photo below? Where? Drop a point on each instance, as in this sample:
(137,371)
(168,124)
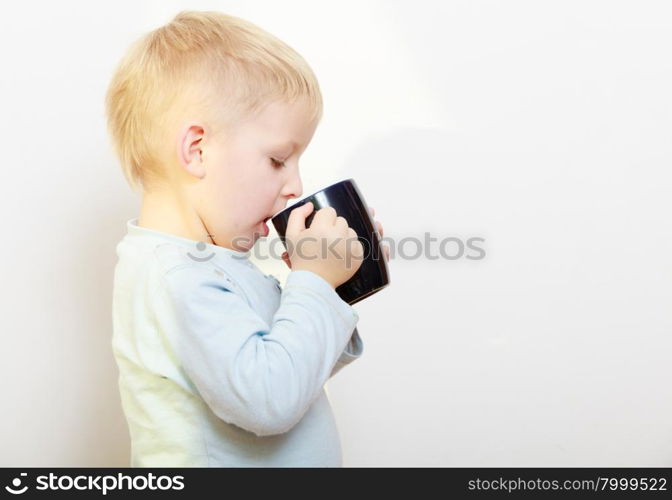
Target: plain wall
(542,127)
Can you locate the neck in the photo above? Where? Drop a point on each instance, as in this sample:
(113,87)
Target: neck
(172,213)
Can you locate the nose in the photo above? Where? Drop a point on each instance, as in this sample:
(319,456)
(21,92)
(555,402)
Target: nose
(293,187)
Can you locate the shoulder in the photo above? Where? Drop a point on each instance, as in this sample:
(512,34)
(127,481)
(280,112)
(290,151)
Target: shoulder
(180,273)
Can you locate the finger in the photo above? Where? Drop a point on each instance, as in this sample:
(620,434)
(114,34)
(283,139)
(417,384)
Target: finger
(386,251)
(285,258)
(380,228)
(297,218)
(372,211)
(341,222)
(325,215)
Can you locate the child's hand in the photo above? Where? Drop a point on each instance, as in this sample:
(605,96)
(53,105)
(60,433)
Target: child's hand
(285,257)
(329,247)
(379,227)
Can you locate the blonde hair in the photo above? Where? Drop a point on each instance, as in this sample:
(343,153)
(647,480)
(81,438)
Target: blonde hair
(223,67)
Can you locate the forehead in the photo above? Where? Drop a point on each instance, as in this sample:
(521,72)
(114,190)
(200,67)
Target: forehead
(287,122)
(278,126)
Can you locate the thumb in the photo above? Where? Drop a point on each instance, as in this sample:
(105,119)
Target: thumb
(285,258)
(297,219)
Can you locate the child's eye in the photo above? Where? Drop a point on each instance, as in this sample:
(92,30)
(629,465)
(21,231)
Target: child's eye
(277,163)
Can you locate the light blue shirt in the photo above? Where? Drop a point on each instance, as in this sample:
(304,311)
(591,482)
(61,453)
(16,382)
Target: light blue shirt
(218,364)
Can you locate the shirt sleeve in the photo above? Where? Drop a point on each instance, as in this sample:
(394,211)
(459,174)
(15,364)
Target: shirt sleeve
(260,377)
(353,350)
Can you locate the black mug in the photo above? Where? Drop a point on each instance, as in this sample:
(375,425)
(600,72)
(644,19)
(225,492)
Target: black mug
(345,198)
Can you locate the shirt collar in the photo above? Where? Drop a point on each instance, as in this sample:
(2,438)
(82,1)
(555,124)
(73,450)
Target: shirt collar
(134,230)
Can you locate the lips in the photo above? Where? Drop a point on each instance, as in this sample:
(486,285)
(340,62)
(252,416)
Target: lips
(265,226)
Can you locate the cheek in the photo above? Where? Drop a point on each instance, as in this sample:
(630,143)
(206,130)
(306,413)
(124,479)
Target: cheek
(260,190)
(218,189)
(240,193)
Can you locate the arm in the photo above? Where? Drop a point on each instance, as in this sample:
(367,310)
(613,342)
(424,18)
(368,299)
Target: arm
(260,377)
(353,350)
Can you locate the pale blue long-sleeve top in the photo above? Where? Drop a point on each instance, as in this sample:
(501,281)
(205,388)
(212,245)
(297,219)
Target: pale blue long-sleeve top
(218,364)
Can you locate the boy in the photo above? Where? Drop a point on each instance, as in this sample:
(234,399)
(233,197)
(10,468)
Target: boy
(219,366)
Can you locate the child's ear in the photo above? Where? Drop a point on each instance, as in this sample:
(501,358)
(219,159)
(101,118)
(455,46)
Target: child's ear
(190,150)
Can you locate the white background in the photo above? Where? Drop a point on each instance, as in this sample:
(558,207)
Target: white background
(543,127)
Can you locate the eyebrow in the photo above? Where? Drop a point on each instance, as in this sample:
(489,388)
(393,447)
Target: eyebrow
(284,145)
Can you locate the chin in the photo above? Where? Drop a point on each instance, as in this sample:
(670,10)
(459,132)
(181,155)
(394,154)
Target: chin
(245,244)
